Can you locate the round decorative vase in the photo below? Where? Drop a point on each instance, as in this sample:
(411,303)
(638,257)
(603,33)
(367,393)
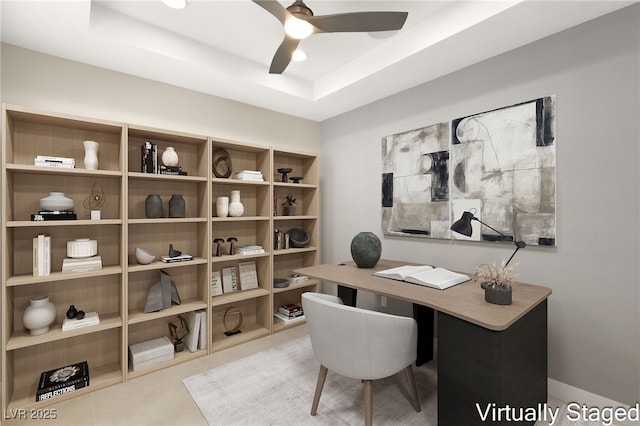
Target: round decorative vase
(56,201)
(236,208)
(176,206)
(497,294)
(91,155)
(71,312)
(39,315)
(222,206)
(153,206)
(366,249)
(170,157)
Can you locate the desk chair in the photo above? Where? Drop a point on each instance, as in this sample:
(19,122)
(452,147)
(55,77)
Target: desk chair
(359,344)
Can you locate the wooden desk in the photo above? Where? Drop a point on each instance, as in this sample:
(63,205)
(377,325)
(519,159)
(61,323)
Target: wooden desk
(486,353)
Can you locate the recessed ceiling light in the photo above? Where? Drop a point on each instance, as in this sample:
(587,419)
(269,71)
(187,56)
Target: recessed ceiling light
(175,4)
(298,55)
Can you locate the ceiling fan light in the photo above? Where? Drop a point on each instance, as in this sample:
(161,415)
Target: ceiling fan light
(298,55)
(298,28)
(175,4)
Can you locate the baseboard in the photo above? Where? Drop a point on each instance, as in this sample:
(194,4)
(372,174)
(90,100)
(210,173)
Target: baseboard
(567,393)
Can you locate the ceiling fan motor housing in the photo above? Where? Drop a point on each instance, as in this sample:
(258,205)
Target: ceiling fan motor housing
(299,8)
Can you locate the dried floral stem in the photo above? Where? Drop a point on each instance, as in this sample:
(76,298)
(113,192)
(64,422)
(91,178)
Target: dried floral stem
(498,275)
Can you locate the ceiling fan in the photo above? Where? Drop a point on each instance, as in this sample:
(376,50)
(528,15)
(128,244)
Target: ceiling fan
(299,23)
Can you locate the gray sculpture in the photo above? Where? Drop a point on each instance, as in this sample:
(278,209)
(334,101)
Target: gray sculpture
(161,294)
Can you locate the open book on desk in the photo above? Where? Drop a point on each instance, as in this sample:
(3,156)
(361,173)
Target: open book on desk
(425,275)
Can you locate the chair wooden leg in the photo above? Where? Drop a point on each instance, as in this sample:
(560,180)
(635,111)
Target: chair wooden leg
(322,374)
(368,402)
(414,390)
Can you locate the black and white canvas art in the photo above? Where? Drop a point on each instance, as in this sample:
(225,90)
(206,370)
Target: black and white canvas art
(499,164)
(415,182)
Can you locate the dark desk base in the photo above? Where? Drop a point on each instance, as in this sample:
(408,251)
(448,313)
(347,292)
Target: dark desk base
(477,365)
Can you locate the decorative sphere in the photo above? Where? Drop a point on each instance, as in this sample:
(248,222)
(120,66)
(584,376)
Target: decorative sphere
(170,157)
(366,249)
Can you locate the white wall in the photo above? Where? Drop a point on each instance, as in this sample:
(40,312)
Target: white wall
(594,70)
(52,84)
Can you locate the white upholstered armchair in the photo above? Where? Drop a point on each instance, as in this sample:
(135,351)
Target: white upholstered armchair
(359,344)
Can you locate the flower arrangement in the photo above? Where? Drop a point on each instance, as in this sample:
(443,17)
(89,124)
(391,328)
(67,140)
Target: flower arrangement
(490,274)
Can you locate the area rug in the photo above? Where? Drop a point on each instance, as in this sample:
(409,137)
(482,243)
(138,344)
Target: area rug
(276,387)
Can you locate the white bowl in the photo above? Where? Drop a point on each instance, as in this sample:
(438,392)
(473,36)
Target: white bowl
(144,257)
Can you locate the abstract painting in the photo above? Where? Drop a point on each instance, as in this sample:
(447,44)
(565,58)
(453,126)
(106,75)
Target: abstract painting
(499,164)
(415,182)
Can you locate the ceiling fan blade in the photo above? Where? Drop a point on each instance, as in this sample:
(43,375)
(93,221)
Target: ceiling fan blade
(274,8)
(283,55)
(358,22)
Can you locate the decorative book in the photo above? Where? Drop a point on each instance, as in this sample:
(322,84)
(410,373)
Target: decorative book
(229,279)
(248,275)
(91,318)
(174,259)
(425,275)
(216,283)
(193,321)
(41,255)
(62,380)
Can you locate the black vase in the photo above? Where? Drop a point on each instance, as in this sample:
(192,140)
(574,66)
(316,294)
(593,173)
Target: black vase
(366,249)
(153,206)
(176,206)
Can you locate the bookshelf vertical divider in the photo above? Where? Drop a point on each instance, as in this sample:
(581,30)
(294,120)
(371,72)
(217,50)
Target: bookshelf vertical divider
(118,292)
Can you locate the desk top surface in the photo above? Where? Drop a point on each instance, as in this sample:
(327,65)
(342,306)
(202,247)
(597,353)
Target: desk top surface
(464,301)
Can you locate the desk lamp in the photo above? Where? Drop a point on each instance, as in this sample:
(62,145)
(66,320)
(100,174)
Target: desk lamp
(463,226)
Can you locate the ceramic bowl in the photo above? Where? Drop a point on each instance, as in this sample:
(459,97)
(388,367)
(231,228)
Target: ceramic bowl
(144,257)
(298,238)
(280,283)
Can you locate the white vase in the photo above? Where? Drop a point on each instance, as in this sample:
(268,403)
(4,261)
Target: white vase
(236,208)
(170,157)
(39,315)
(222,206)
(56,201)
(91,155)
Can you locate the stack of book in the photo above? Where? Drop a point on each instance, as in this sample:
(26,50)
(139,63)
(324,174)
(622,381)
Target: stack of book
(43,215)
(253,175)
(172,170)
(42,255)
(174,259)
(63,380)
(248,250)
(91,318)
(60,162)
(289,312)
(81,264)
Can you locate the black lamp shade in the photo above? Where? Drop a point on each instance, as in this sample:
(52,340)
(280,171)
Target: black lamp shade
(463,225)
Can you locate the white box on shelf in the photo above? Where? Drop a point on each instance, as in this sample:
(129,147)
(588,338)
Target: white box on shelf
(151,352)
